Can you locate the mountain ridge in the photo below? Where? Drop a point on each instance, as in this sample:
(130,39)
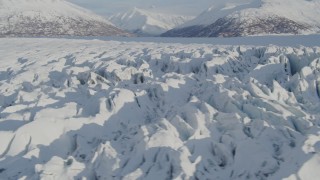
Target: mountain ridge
(273,17)
(29,18)
(145,22)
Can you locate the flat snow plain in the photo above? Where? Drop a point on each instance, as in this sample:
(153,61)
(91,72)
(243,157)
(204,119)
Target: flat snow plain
(112,109)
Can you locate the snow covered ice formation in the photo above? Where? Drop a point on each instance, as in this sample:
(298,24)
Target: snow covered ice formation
(92,109)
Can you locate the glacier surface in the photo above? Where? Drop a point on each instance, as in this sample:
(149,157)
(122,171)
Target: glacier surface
(95,109)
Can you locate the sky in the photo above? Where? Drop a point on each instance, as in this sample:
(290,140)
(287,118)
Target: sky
(183,7)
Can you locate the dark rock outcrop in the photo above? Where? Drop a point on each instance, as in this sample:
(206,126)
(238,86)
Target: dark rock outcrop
(230,26)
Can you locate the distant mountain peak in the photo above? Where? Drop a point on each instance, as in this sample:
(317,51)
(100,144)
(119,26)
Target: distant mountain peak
(145,22)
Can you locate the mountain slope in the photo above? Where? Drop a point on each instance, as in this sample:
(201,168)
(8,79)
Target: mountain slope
(257,17)
(220,10)
(144,22)
(51,18)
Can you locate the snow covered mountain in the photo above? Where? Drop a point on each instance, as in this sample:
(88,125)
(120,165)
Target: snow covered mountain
(91,109)
(51,18)
(254,17)
(145,22)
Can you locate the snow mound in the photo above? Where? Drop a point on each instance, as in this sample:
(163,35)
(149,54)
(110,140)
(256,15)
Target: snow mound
(144,22)
(51,18)
(114,110)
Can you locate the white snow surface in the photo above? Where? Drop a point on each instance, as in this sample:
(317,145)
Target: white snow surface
(93,109)
(146,22)
(301,11)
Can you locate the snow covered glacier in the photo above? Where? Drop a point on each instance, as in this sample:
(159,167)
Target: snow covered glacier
(92,109)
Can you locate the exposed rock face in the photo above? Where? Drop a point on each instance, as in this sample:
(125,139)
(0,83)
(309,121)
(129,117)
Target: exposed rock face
(233,27)
(183,32)
(259,17)
(51,18)
(27,26)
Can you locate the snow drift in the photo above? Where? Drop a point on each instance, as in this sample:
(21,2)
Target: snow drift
(115,110)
